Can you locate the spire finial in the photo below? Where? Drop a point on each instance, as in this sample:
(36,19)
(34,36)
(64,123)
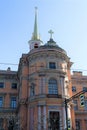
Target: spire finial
(36,8)
(35,33)
(51,33)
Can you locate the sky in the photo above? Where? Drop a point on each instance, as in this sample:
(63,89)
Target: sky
(67,19)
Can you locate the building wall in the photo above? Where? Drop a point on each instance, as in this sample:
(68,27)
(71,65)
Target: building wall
(8,97)
(79,83)
(36,103)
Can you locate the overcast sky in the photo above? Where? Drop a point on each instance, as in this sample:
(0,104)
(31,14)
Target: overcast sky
(67,18)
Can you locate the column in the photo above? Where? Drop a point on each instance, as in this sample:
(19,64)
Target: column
(63,96)
(44,84)
(44,120)
(62,85)
(39,118)
(31,118)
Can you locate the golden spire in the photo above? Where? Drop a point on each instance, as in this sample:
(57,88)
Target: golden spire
(35,33)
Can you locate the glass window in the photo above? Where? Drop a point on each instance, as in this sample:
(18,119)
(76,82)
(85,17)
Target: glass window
(77,125)
(86,123)
(75,105)
(1,101)
(54,120)
(14,85)
(73,89)
(36,45)
(85,106)
(1,85)
(84,88)
(52,65)
(32,90)
(52,87)
(1,124)
(13,102)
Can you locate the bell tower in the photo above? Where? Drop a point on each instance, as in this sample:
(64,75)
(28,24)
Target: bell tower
(35,41)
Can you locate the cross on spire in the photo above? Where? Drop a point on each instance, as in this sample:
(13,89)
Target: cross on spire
(51,33)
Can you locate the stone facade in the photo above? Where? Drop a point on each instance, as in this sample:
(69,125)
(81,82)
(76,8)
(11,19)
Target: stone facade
(33,98)
(79,83)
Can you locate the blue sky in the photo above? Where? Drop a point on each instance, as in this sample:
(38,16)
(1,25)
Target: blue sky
(67,18)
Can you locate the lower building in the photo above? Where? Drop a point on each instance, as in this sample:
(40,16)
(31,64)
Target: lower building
(79,83)
(8,99)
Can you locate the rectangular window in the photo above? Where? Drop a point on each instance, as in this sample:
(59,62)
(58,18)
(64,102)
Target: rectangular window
(1,123)
(52,65)
(85,106)
(54,120)
(1,101)
(1,85)
(77,125)
(13,102)
(86,124)
(14,85)
(84,88)
(75,105)
(73,89)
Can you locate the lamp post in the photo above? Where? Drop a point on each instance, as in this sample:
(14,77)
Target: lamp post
(66,114)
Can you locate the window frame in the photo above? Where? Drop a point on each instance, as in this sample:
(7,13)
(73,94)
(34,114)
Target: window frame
(85,106)
(1,84)
(52,87)
(1,101)
(52,65)
(76,105)
(73,88)
(32,89)
(78,125)
(13,103)
(13,85)
(84,88)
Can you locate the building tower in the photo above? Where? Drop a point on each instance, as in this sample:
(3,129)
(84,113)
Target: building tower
(44,75)
(35,41)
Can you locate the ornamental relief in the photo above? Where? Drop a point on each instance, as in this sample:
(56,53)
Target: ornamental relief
(45,55)
(24,61)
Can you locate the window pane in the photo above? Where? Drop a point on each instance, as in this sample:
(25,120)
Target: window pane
(85,107)
(1,123)
(13,102)
(52,65)
(84,88)
(14,85)
(1,85)
(32,89)
(1,101)
(73,89)
(75,105)
(52,86)
(77,125)
(54,123)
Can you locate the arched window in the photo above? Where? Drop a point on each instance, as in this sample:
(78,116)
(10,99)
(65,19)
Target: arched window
(52,86)
(36,45)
